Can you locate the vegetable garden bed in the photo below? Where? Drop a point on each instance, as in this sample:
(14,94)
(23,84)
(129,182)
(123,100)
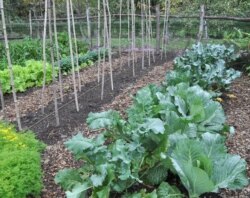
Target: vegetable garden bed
(56,157)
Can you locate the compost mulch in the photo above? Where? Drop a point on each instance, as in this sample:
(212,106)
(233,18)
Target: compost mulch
(236,103)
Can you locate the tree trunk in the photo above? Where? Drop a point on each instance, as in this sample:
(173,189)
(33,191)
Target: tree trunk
(53,64)
(201,27)
(71,55)
(10,67)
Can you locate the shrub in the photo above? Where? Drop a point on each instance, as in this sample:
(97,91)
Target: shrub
(20,174)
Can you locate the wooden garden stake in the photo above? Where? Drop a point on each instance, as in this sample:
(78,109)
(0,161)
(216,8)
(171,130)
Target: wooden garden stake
(88,24)
(71,55)
(76,49)
(30,22)
(57,51)
(133,34)
(10,67)
(99,40)
(142,33)
(2,100)
(104,45)
(201,27)
(44,53)
(165,35)
(120,28)
(109,45)
(158,25)
(53,64)
(128,8)
(150,27)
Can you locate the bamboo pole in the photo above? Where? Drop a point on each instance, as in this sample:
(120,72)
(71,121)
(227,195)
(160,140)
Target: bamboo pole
(142,33)
(71,55)
(165,35)
(30,22)
(167,24)
(105,46)
(88,24)
(133,34)
(109,44)
(10,67)
(150,28)
(120,28)
(99,40)
(76,49)
(44,54)
(128,15)
(201,27)
(53,64)
(57,51)
(158,27)
(2,100)
(147,35)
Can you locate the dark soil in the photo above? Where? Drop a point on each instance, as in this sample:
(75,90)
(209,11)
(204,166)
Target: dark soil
(89,101)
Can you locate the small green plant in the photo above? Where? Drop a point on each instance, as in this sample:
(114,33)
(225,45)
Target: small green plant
(20,163)
(84,60)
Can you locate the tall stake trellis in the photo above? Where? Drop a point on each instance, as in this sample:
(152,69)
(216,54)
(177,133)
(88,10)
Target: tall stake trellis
(104,40)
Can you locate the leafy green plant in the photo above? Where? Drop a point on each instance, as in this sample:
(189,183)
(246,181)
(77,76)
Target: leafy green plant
(239,38)
(25,77)
(174,129)
(20,163)
(83,59)
(205,66)
(31,49)
(205,166)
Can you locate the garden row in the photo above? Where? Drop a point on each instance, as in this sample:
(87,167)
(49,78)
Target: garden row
(173,132)
(31,74)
